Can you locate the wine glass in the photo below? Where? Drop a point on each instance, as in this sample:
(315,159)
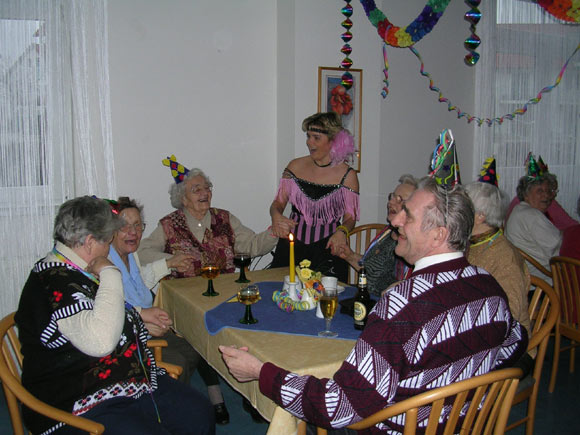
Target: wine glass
(328,303)
(242,260)
(211,264)
(249,295)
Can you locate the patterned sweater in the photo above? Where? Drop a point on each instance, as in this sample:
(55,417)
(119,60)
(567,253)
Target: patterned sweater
(448,322)
(54,370)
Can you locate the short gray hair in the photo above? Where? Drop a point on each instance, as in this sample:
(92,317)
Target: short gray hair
(83,216)
(525,184)
(409,179)
(451,209)
(488,200)
(177,191)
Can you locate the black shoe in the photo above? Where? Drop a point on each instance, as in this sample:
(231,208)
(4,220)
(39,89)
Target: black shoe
(253,413)
(221,413)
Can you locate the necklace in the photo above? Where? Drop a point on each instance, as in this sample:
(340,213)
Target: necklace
(66,260)
(322,166)
(487,237)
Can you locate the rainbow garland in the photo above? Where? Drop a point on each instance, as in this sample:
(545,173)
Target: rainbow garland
(490,121)
(565,10)
(409,35)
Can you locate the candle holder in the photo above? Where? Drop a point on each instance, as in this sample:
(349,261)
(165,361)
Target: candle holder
(292,288)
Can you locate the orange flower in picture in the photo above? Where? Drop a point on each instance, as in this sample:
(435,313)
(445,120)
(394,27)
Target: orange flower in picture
(340,101)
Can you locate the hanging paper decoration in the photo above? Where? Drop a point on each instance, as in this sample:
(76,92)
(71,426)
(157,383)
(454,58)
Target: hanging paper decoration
(471,43)
(488,173)
(444,166)
(346,48)
(566,10)
(414,32)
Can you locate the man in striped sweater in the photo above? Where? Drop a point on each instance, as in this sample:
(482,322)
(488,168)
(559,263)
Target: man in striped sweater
(448,322)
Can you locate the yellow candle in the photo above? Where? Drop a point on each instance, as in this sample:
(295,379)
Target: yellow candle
(292,262)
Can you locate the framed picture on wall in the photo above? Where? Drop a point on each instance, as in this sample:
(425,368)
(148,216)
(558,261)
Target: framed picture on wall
(334,97)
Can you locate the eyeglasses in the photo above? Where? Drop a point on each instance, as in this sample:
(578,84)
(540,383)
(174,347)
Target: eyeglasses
(138,228)
(397,198)
(198,189)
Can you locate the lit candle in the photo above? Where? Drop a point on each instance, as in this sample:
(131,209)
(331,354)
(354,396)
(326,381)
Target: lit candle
(292,262)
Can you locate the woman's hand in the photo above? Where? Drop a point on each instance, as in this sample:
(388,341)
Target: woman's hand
(98,264)
(282,226)
(242,365)
(181,262)
(336,241)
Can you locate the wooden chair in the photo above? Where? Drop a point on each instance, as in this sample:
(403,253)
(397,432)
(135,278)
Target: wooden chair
(543,310)
(566,275)
(535,263)
(359,239)
(494,391)
(11,367)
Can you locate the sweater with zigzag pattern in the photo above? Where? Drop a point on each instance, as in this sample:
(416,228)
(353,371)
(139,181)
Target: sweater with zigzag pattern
(446,323)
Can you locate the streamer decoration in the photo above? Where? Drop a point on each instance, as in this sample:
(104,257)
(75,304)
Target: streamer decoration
(490,121)
(346,48)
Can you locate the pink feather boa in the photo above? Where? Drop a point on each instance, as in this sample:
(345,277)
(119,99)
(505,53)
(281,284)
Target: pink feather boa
(343,149)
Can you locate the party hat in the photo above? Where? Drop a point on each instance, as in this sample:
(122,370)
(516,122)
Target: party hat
(532,167)
(543,167)
(444,165)
(178,171)
(487,173)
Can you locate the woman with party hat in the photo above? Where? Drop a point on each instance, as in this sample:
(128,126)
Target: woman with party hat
(527,227)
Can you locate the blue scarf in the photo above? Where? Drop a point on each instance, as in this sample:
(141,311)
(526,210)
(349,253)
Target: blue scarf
(136,292)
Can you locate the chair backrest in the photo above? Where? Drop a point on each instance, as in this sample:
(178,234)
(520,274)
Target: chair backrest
(535,263)
(10,369)
(360,238)
(543,310)
(487,398)
(566,275)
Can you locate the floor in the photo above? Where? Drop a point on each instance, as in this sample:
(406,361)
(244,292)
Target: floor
(556,414)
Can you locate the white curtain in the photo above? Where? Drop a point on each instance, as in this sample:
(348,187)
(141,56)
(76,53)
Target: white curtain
(55,127)
(523,50)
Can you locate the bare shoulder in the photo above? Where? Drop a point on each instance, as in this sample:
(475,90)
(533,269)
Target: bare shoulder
(351,179)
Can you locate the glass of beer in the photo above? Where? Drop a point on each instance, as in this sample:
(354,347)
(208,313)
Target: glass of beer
(249,295)
(328,304)
(242,260)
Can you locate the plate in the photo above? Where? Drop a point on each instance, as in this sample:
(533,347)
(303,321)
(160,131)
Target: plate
(339,289)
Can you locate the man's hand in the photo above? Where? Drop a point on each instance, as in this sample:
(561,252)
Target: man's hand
(242,365)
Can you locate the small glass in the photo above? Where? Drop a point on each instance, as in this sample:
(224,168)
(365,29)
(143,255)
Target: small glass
(242,260)
(210,272)
(328,304)
(249,295)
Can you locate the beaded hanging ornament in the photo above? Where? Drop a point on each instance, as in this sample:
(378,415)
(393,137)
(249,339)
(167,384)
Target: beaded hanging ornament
(471,43)
(346,48)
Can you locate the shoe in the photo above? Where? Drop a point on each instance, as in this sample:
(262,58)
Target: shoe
(252,411)
(222,415)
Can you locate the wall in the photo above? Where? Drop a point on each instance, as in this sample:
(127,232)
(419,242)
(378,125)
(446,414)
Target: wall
(224,85)
(411,116)
(196,79)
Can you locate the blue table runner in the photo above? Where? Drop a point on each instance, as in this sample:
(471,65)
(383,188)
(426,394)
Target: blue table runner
(273,319)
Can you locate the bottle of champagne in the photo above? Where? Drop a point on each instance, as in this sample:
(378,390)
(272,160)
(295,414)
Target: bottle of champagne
(362,301)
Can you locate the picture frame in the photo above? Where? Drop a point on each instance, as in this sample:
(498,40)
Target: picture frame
(329,81)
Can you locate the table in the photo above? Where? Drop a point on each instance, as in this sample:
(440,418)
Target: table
(320,357)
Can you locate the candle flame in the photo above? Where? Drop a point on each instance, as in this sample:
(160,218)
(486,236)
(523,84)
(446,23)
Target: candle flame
(291,237)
